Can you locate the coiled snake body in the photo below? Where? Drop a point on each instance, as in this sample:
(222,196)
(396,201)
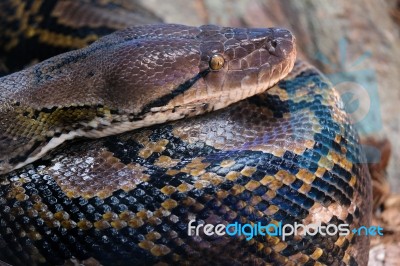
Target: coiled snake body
(287,155)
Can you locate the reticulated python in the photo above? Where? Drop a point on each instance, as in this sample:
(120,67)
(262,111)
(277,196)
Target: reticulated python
(288,155)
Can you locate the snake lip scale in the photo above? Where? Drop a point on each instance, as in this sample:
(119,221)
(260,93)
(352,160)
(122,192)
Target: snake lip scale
(135,78)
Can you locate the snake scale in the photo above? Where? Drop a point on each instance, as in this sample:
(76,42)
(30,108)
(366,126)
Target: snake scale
(286,155)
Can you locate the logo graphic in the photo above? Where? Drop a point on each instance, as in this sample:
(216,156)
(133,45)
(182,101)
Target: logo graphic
(283,231)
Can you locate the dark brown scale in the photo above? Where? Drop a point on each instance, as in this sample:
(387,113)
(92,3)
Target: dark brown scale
(88,20)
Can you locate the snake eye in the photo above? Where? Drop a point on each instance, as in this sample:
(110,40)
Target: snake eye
(217,62)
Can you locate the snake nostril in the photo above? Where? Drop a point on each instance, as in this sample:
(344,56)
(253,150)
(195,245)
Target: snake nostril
(272,46)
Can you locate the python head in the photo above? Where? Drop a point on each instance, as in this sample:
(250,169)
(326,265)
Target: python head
(134,78)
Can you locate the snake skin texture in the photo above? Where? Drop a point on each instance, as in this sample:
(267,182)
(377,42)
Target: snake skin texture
(34,30)
(288,155)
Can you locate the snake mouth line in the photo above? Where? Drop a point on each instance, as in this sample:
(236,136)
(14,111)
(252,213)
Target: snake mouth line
(216,100)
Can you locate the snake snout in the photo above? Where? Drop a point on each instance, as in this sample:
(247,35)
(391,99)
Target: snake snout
(282,43)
